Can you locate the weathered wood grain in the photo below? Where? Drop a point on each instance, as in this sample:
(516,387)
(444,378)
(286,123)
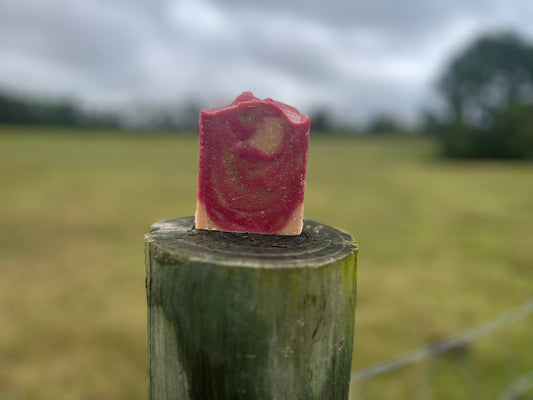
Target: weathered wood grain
(248,316)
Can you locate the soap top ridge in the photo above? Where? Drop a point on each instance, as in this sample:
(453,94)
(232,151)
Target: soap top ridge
(291,113)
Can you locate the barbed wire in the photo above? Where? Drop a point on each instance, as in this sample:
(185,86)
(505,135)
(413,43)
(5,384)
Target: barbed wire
(437,348)
(518,387)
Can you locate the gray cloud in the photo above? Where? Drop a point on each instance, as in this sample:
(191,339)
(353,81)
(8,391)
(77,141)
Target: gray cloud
(357,57)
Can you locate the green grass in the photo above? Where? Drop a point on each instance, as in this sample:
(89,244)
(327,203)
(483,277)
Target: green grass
(443,246)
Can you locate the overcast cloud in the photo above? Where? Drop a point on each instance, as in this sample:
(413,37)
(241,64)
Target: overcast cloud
(354,57)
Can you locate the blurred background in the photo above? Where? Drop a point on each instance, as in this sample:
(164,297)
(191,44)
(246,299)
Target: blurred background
(421,147)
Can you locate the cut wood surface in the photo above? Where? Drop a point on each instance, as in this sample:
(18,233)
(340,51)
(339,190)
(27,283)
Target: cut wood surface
(249,316)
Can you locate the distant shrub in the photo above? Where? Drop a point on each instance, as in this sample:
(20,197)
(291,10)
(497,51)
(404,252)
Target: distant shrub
(510,135)
(384,124)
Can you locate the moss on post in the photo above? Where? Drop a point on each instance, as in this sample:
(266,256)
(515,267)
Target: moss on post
(247,316)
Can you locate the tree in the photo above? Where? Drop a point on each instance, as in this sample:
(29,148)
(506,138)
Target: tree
(488,91)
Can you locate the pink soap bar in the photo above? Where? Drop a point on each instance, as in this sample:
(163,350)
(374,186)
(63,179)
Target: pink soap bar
(253,157)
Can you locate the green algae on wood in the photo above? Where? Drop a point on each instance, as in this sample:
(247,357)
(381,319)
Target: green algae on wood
(249,316)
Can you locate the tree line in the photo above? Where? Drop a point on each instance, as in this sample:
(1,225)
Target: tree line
(17,110)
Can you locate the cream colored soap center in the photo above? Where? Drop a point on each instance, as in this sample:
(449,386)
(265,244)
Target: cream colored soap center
(269,135)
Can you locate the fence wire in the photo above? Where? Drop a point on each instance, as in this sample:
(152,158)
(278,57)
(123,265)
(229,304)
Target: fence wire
(437,348)
(518,387)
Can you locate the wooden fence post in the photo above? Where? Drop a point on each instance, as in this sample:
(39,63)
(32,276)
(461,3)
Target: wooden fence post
(247,316)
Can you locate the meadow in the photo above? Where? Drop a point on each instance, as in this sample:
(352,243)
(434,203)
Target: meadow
(444,245)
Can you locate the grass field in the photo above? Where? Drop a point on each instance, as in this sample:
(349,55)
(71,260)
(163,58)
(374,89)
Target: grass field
(443,246)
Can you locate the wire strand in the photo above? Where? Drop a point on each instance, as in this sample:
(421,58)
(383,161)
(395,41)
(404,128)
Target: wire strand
(518,387)
(437,348)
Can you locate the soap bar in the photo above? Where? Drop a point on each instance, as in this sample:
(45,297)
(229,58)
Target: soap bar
(253,157)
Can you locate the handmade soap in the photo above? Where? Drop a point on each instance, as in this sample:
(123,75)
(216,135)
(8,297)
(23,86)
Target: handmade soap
(253,157)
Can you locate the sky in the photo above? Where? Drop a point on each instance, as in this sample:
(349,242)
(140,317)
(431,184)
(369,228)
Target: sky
(353,58)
